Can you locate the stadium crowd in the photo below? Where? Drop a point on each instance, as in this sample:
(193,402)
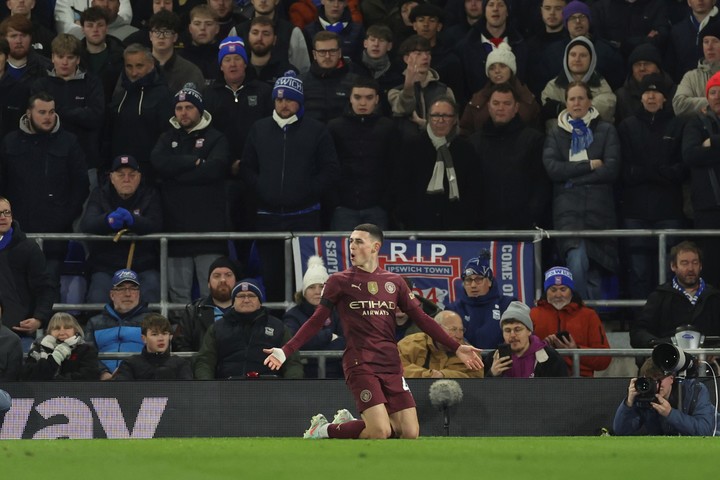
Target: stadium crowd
(265,115)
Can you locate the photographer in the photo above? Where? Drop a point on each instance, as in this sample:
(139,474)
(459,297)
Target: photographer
(661,415)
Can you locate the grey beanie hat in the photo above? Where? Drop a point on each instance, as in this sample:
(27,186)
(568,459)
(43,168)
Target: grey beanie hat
(518,312)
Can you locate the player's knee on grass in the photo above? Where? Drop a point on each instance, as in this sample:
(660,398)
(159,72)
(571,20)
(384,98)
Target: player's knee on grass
(377,432)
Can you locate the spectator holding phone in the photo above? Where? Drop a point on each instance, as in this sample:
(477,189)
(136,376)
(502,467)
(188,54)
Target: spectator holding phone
(563,321)
(523,355)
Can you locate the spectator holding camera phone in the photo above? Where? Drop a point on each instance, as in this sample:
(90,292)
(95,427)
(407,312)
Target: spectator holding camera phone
(652,406)
(528,355)
(563,321)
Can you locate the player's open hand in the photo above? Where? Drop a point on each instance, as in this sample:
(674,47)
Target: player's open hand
(469,355)
(275,358)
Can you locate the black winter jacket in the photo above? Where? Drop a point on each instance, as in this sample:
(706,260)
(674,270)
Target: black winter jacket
(193,194)
(291,168)
(327,92)
(667,308)
(652,168)
(367,149)
(146,210)
(154,366)
(704,162)
(81,365)
(27,291)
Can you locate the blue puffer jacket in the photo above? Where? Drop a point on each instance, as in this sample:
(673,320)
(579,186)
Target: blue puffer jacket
(111,331)
(696,418)
(481,316)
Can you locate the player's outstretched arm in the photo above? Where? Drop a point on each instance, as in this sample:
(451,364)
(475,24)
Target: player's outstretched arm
(469,355)
(275,359)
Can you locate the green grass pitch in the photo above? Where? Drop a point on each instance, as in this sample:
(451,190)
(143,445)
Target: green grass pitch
(506,458)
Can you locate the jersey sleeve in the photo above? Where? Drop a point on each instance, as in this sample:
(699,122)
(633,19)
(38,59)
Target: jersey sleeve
(330,295)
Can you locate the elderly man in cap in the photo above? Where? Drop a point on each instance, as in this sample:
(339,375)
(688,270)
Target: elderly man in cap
(117,328)
(530,356)
(199,315)
(481,303)
(192,161)
(422,357)
(563,321)
(233,345)
(125,203)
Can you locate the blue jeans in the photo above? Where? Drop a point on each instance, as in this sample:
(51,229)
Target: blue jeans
(642,256)
(586,276)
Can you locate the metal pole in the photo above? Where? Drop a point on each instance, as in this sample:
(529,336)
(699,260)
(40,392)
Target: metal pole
(163,276)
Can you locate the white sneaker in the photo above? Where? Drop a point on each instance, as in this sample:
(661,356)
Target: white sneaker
(343,416)
(315,423)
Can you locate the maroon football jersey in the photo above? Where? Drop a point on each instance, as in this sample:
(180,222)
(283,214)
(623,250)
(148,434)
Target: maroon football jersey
(366,303)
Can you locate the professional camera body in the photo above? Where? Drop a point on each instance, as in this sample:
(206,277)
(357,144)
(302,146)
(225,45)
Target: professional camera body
(647,388)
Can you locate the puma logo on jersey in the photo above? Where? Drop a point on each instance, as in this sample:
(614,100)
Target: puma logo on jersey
(356,286)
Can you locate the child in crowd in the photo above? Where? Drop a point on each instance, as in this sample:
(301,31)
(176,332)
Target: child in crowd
(62,354)
(155,361)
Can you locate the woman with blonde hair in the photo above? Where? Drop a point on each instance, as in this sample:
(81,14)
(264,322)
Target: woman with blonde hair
(62,354)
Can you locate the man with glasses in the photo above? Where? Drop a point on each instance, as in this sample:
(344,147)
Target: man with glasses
(481,304)
(232,347)
(27,291)
(439,173)
(530,356)
(125,202)
(177,71)
(329,80)
(423,357)
(118,327)
(334,16)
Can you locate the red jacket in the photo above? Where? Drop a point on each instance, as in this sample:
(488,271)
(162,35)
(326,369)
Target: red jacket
(582,323)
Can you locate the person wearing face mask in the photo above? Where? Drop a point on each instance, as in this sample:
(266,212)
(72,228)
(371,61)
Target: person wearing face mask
(563,321)
(330,336)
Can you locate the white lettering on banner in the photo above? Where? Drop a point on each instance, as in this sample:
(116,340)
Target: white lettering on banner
(398,252)
(506,263)
(331,256)
(80,418)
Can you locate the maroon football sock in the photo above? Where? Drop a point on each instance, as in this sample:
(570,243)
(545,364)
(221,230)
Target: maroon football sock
(350,429)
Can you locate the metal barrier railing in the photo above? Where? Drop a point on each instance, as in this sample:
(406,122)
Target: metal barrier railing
(575,353)
(536,236)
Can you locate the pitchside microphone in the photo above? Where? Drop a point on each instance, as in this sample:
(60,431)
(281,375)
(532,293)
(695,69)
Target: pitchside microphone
(443,395)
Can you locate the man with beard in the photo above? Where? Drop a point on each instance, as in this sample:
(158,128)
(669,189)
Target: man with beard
(262,39)
(203,312)
(684,300)
(233,345)
(42,36)
(45,177)
(192,161)
(290,44)
(22,68)
(563,321)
